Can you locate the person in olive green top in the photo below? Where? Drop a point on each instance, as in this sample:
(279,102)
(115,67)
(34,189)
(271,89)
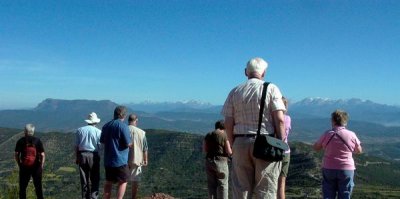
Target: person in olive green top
(217,149)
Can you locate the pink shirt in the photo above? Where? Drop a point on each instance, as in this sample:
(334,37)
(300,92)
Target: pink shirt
(288,127)
(337,155)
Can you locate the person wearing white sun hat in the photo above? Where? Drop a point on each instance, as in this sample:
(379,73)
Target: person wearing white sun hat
(87,157)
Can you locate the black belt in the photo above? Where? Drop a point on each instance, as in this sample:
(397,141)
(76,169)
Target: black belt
(245,135)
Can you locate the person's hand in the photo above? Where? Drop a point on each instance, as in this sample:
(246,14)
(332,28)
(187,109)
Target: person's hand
(145,163)
(77,161)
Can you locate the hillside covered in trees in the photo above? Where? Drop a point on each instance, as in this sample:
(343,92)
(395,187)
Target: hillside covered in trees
(176,168)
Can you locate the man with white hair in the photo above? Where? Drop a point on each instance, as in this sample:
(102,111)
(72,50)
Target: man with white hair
(87,156)
(30,157)
(241,110)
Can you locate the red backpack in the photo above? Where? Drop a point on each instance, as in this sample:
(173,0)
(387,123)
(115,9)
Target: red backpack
(29,158)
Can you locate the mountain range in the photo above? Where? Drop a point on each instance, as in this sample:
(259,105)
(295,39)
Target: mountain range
(359,110)
(310,117)
(175,132)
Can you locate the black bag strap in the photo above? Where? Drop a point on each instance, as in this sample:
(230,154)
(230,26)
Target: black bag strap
(260,116)
(345,143)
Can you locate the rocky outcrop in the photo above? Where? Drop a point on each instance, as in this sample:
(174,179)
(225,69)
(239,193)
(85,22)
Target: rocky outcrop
(159,196)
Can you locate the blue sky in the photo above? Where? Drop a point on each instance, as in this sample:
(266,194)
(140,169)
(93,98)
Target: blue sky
(132,51)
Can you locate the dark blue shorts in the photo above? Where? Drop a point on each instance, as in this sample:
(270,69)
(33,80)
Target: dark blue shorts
(117,174)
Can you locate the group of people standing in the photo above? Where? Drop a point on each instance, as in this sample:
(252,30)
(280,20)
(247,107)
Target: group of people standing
(235,138)
(125,148)
(218,152)
(125,152)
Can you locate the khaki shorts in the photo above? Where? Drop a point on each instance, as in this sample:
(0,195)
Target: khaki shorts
(285,165)
(135,173)
(263,180)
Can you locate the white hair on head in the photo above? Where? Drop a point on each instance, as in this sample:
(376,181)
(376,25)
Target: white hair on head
(29,129)
(256,65)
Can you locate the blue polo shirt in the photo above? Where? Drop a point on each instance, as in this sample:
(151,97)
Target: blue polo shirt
(116,137)
(88,138)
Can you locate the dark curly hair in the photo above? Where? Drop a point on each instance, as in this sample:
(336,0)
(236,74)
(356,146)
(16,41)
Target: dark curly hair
(220,124)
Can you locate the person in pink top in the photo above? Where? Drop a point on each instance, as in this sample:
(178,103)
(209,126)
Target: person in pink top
(338,164)
(286,159)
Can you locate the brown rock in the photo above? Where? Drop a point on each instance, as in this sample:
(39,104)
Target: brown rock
(159,196)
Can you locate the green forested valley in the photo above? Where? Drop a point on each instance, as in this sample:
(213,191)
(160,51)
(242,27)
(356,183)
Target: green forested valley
(176,168)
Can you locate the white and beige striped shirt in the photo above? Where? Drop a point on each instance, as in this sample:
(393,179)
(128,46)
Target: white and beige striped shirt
(243,105)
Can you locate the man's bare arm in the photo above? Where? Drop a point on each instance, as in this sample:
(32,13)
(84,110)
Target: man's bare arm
(229,123)
(42,159)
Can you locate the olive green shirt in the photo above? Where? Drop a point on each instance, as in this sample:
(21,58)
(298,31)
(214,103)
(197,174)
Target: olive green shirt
(215,142)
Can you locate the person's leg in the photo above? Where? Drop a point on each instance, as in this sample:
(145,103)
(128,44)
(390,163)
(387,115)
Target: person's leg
(24,177)
(111,177)
(37,181)
(266,178)
(95,176)
(282,177)
(211,178)
(135,186)
(84,173)
(345,183)
(132,178)
(122,178)
(107,189)
(329,183)
(121,190)
(242,168)
(222,179)
(281,187)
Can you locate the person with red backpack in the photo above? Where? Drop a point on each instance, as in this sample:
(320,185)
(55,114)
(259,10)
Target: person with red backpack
(29,155)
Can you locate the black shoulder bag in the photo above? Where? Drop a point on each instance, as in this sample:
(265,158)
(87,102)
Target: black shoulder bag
(267,147)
